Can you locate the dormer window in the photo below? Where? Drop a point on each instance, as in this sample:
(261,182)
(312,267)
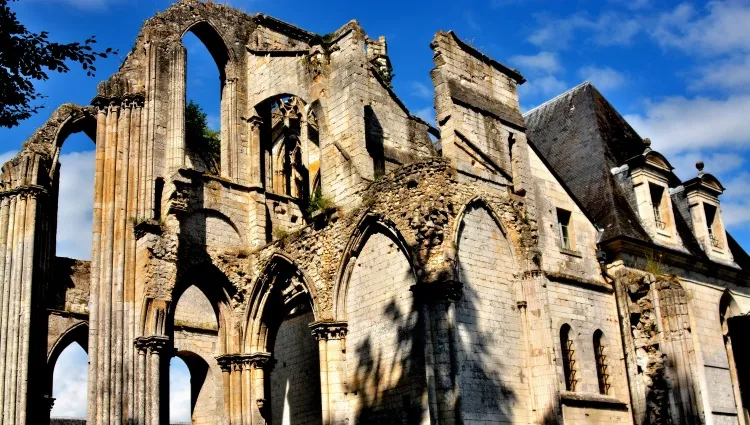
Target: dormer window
(711,222)
(702,194)
(657,204)
(564,230)
(652,177)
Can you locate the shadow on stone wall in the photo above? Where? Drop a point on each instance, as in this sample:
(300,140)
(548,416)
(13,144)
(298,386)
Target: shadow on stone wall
(404,401)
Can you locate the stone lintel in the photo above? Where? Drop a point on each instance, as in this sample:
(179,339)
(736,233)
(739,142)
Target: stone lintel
(328,330)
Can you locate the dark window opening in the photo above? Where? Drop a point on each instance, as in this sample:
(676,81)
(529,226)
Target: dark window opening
(657,198)
(563,227)
(601,363)
(568,360)
(711,224)
(158,189)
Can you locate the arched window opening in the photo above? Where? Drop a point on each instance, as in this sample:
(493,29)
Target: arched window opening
(292,148)
(193,382)
(568,357)
(75,209)
(204,103)
(602,374)
(180,394)
(69,383)
(295,376)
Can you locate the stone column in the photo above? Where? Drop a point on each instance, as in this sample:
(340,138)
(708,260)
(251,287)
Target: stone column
(247,389)
(157,345)
(139,414)
(24,192)
(262,364)
(225,364)
(255,123)
(438,303)
(331,337)
(176,111)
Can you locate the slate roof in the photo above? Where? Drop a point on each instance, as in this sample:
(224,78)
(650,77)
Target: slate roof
(582,137)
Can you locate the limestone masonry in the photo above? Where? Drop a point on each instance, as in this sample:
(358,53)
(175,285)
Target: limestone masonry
(345,262)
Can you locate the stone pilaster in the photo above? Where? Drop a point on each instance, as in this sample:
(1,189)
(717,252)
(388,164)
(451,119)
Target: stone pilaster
(331,337)
(243,381)
(25,249)
(540,340)
(438,302)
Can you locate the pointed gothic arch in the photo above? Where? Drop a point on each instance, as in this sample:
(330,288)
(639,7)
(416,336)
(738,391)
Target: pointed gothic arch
(368,225)
(281,284)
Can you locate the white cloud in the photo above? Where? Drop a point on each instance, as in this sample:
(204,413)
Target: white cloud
(179,391)
(609,29)
(722,29)
(735,205)
(604,78)
(679,124)
(543,61)
(545,86)
(729,74)
(419,89)
(69,383)
(720,164)
(76,205)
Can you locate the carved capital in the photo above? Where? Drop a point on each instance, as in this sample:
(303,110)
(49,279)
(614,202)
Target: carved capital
(225,362)
(326,331)
(255,122)
(155,344)
(237,362)
(445,290)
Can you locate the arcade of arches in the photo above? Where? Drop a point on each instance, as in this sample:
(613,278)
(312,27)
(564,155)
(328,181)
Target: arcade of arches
(347,262)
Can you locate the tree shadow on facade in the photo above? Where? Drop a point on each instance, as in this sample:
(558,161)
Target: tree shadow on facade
(405,400)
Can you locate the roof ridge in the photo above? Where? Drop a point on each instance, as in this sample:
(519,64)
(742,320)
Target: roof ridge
(565,93)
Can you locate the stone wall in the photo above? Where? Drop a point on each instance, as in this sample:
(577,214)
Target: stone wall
(493,386)
(384,360)
(295,377)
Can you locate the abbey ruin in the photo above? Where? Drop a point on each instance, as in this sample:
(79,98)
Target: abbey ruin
(345,262)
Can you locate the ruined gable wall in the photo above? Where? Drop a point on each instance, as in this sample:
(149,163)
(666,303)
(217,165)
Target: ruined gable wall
(478,113)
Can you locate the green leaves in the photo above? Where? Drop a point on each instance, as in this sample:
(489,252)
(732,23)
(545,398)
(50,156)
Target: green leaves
(201,139)
(24,58)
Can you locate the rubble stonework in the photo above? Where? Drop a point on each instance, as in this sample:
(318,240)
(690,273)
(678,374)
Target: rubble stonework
(338,265)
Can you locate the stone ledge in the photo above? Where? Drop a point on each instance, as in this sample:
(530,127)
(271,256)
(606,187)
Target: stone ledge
(579,281)
(592,400)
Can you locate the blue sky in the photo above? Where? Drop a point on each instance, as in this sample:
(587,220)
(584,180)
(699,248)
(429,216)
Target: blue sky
(678,71)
